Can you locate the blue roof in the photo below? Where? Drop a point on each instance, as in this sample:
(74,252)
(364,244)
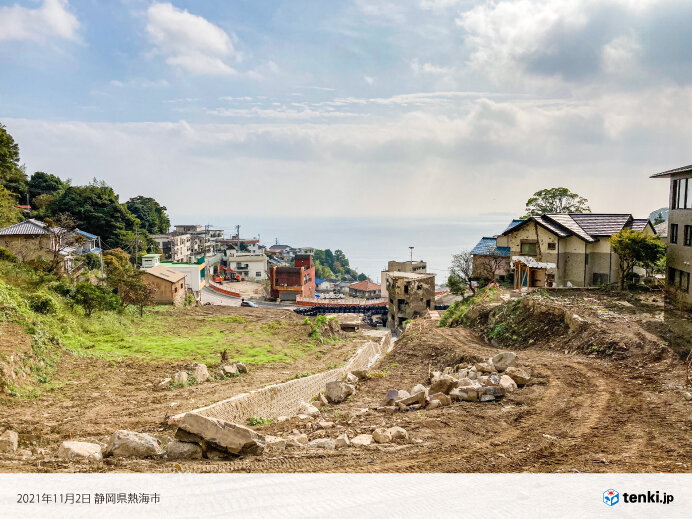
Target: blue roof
(488,247)
(318,281)
(512,224)
(87,235)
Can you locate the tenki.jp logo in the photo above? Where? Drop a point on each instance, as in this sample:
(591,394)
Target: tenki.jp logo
(611,497)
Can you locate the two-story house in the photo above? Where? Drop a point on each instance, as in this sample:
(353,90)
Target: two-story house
(567,249)
(679,255)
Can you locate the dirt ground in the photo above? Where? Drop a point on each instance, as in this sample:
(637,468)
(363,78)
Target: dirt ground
(579,413)
(247,289)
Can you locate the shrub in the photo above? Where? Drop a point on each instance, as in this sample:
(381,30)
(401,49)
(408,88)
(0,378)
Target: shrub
(42,303)
(62,288)
(91,297)
(6,255)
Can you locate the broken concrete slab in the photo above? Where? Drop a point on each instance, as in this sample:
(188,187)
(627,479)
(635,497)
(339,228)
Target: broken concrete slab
(179,450)
(80,450)
(519,375)
(504,360)
(362,440)
(234,438)
(133,444)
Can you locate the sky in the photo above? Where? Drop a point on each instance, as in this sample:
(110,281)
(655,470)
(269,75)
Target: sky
(407,109)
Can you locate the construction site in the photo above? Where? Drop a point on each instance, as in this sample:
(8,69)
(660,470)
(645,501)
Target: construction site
(567,382)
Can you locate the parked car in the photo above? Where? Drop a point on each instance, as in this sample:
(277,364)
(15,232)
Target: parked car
(248,303)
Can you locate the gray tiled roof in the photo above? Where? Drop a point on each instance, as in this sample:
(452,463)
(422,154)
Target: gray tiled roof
(566,221)
(552,226)
(587,226)
(601,224)
(638,224)
(27,227)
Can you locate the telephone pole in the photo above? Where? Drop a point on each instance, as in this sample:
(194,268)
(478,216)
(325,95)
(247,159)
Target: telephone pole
(411,247)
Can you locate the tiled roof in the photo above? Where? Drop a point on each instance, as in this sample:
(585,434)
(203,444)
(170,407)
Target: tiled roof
(488,247)
(601,224)
(366,286)
(513,223)
(87,235)
(165,273)
(638,224)
(683,169)
(27,227)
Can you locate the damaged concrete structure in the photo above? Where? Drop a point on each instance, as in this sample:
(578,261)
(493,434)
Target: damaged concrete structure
(410,295)
(415,267)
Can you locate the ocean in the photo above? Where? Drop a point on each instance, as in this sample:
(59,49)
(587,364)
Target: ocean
(369,243)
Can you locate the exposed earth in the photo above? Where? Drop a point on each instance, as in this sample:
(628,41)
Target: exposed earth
(585,409)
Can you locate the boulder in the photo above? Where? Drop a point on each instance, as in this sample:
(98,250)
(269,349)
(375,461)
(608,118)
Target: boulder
(242,368)
(507,383)
(484,367)
(417,398)
(362,440)
(391,396)
(504,360)
(177,450)
(200,372)
(472,374)
(418,388)
(132,444)
(465,382)
(322,443)
(442,398)
(382,435)
(398,433)
(322,399)
(336,392)
(234,438)
(520,376)
(342,441)
(82,450)
(403,394)
(230,369)
(274,444)
(351,379)
(443,384)
(9,441)
(180,378)
(434,404)
(467,393)
(325,424)
(308,409)
(293,444)
(165,383)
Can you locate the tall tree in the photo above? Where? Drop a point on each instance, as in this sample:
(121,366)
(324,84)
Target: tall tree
(42,183)
(152,214)
(9,212)
(556,200)
(12,175)
(461,273)
(95,209)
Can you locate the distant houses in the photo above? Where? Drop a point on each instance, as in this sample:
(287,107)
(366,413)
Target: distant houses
(169,284)
(289,283)
(364,290)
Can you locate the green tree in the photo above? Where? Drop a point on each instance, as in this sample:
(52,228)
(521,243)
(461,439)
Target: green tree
(137,292)
(362,277)
(12,175)
(150,213)
(9,212)
(461,273)
(96,209)
(658,219)
(634,248)
(555,200)
(91,298)
(42,183)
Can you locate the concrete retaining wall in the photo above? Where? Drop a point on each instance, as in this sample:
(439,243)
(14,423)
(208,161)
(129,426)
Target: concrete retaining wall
(284,399)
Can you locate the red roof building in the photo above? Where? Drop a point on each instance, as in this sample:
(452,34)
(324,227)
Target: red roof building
(364,290)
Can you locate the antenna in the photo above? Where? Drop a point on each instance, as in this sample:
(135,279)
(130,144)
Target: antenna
(411,247)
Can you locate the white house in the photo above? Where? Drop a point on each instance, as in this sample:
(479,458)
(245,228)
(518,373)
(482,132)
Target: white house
(250,266)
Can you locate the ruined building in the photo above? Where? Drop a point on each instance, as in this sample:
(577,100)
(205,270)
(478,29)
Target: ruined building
(410,296)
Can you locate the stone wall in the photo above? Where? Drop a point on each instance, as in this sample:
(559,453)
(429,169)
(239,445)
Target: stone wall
(284,399)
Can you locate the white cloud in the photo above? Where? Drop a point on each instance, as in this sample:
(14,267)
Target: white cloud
(140,83)
(51,20)
(190,42)
(429,68)
(369,80)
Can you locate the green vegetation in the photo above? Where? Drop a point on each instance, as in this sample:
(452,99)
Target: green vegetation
(335,264)
(455,315)
(253,421)
(634,249)
(555,200)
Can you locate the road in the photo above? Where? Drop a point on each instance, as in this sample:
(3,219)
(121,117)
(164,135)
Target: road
(210,296)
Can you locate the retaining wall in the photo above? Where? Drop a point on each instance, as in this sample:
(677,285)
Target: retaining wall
(284,399)
(217,288)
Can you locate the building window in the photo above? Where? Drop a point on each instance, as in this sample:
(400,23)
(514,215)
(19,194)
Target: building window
(673,233)
(528,248)
(671,276)
(688,235)
(551,246)
(684,281)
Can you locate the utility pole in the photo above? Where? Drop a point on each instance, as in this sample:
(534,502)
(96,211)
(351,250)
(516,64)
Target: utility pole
(237,233)
(136,243)
(411,247)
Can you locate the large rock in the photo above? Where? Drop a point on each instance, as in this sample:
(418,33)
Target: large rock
(507,383)
(9,441)
(418,388)
(230,370)
(443,384)
(398,433)
(132,444)
(504,360)
(81,450)
(467,393)
(336,392)
(180,378)
(342,441)
(308,409)
(351,379)
(322,443)
(484,367)
(234,438)
(442,398)
(403,394)
(200,372)
(242,368)
(362,440)
(391,396)
(520,376)
(417,398)
(299,438)
(165,383)
(382,435)
(177,450)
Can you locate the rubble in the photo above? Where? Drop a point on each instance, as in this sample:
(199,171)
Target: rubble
(165,383)
(342,441)
(382,435)
(398,433)
(351,379)
(322,443)
(507,383)
(362,440)
(308,409)
(230,369)
(520,376)
(274,444)
(180,378)
(85,450)
(504,360)
(200,372)
(443,384)
(133,444)
(242,368)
